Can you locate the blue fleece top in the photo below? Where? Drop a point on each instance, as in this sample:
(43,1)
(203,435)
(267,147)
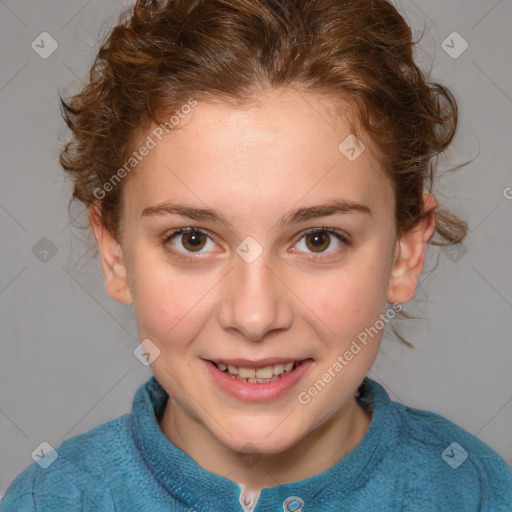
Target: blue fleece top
(409,460)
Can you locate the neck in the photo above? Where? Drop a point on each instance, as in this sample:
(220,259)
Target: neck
(319,450)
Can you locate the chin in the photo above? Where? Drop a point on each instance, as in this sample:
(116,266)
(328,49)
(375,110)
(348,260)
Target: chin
(262,440)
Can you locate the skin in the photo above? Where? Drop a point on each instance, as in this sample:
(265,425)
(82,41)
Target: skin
(254,165)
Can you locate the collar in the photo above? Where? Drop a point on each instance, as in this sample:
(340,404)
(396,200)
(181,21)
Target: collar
(203,490)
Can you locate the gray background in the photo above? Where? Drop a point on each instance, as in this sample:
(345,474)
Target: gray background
(67,363)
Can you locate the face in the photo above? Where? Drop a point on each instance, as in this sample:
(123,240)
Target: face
(258,274)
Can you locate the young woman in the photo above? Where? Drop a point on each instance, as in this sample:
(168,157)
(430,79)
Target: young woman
(258,175)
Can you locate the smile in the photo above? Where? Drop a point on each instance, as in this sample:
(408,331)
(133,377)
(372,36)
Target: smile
(257,383)
(260,375)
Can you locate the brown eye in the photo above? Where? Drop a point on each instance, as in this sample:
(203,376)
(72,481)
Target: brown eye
(319,239)
(190,239)
(193,240)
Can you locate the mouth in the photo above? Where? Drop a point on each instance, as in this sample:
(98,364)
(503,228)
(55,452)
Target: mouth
(257,381)
(258,374)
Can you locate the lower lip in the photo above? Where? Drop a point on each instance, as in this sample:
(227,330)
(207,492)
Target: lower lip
(258,391)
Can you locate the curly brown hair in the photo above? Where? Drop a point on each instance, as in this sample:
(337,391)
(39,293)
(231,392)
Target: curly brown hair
(162,53)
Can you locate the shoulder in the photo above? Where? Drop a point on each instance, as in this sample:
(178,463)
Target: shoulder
(453,465)
(75,475)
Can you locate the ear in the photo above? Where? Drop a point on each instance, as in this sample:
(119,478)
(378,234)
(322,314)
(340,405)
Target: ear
(410,255)
(111,253)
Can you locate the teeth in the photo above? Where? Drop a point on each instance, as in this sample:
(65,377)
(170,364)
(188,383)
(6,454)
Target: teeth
(278,369)
(233,369)
(264,374)
(264,381)
(246,373)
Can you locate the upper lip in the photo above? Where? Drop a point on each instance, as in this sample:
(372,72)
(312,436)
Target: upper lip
(247,363)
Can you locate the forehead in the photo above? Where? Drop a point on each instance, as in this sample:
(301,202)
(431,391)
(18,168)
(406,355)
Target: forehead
(284,148)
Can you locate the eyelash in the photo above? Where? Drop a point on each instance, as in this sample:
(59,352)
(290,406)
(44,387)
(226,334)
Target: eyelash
(312,256)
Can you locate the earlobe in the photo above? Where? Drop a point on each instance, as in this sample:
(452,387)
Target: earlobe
(410,256)
(112,260)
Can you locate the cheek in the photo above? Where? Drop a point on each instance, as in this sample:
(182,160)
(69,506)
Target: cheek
(348,299)
(170,304)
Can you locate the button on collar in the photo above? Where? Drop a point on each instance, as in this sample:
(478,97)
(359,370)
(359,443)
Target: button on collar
(293,504)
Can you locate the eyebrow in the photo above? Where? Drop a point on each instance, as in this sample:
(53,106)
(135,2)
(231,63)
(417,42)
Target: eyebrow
(327,209)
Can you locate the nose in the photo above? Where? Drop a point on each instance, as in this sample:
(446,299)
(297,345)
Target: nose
(256,300)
